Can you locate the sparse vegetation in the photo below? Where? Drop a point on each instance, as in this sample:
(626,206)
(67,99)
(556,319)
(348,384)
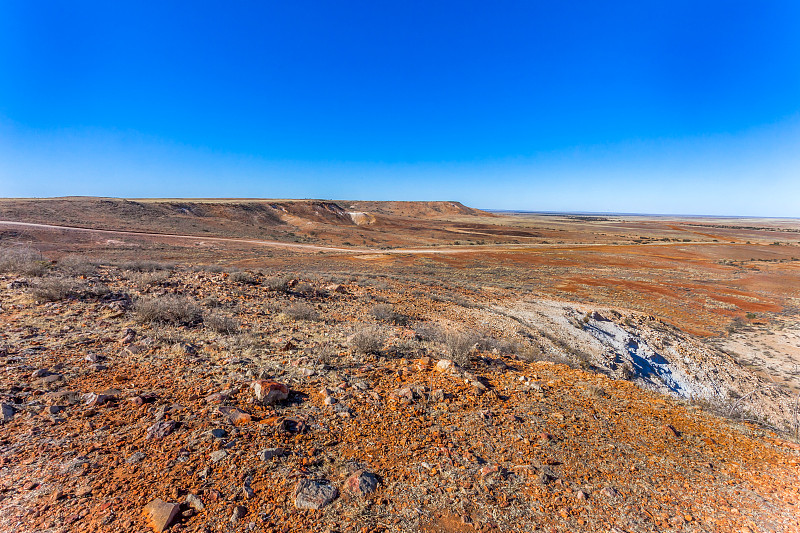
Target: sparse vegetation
(52,289)
(245,278)
(368,340)
(22,260)
(301,311)
(221,323)
(386,313)
(460,346)
(170,309)
(77,265)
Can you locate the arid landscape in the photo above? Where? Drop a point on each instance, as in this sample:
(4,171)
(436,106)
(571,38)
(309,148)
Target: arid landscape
(210,365)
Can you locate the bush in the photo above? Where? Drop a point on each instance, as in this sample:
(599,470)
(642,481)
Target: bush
(428,332)
(176,310)
(22,260)
(460,346)
(368,340)
(143,280)
(386,313)
(52,289)
(301,311)
(77,265)
(244,278)
(221,323)
(277,283)
(146,266)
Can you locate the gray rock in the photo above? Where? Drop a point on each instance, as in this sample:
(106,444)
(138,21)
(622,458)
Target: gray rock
(361,483)
(218,456)
(135,457)
(270,453)
(161,429)
(238,513)
(7,412)
(195,502)
(313,494)
(218,433)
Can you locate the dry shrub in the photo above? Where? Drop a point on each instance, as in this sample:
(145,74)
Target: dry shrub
(22,260)
(221,323)
(301,311)
(368,339)
(143,280)
(212,302)
(176,310)
(146,266)
(386,313)
(277,283)
(245,278)
(53,289)
(77,265)
(460,345)
(428,332)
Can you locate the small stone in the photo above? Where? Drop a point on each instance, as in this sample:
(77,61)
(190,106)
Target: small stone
(581,496)
(312,494)
(194,501)
(235,416)
(361,483)
(128,336)
(83,490)
(444,365)
(269,392)
(135,457)
(93,399)
(218,433)
(161,429)
(329,400)
(218,456)
(93,358)
(609,492)
(671,431)
(489,469)
(7,412)
(270,453)
(40,373)
(238,513)
(160,514)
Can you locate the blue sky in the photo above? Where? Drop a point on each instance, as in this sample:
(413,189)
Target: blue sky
(659,107)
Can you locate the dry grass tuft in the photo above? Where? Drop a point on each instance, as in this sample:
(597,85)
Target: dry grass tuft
(368,339)
(176,310)
(221,323)
(22,260)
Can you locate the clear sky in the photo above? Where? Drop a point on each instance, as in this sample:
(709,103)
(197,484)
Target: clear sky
(643,106)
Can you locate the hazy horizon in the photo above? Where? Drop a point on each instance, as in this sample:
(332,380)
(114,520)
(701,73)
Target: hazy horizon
(671,109)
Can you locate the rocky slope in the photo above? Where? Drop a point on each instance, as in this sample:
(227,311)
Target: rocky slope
(214,401)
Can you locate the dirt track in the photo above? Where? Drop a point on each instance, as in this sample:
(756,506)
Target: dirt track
(319,248)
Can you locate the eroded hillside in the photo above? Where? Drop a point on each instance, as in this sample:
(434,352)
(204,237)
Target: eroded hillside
(142,395)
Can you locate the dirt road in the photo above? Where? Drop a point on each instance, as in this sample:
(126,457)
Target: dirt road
(319,248)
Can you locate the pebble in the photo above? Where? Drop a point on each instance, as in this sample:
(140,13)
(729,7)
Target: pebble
(313,494)
(238,513)
(135,457)
(7,412)
(361,483)
(269,392)
(161,429)
(160,514)
(194,501)
(218,433)
(235,416)
(218,456)
(270,453)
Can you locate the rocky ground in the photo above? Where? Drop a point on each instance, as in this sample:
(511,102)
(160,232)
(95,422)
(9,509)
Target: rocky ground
(139,398)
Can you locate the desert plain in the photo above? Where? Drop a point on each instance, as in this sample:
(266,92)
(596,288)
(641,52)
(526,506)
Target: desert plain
(315,365)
